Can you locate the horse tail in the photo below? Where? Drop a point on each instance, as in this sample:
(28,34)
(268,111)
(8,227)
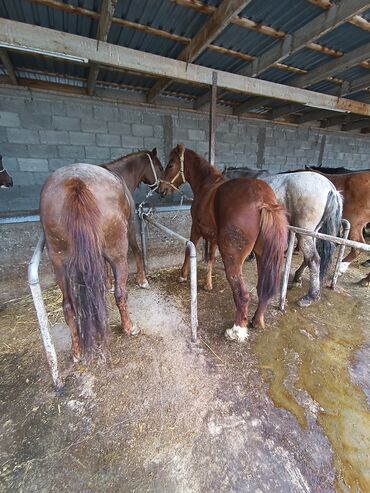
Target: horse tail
(84,268)
(329,225)
(274,234)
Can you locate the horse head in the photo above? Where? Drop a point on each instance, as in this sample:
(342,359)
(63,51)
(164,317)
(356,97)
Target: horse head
(153,173)
(174,175)
(6,181)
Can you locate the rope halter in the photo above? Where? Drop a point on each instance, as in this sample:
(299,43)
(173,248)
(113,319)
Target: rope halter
(179,173)
(156,183)
(3,170)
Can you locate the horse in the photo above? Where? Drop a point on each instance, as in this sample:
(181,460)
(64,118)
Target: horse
(236,216)
(312,203)
(87,212)
(134,168)
(6,181)
(355,188)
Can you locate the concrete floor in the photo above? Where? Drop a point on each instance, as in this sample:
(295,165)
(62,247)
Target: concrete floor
(287,411)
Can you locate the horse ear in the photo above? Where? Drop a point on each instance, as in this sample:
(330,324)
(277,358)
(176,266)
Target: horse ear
(180,148)
(154,152)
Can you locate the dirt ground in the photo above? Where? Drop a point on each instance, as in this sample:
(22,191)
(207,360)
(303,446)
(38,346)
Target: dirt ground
(287,411)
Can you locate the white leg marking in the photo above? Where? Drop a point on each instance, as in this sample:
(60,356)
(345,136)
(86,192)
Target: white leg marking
(237,333)
(343,267)
(145,284)
(182,279)
(135,330)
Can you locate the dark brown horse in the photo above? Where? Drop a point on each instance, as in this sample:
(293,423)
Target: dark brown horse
(355,188)
(6,181)
(141,166)
(87,215)
(237,216)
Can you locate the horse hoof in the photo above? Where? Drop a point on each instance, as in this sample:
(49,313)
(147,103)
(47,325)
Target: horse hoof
(296,284)
(144,285)
(135,330)
(364,283)
(343,267)
(76,358)
(306,301)
(183,279)
(257,324)
(207,288)
(237,333)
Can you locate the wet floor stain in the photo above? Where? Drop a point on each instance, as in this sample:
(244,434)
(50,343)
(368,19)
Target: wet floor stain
(306,359)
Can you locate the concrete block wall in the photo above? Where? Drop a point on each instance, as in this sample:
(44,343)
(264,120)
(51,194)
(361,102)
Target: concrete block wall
(40,132)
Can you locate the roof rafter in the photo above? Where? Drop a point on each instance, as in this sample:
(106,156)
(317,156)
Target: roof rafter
(105,21)
(347,88)
(37,38)
(320,25)
(212,28)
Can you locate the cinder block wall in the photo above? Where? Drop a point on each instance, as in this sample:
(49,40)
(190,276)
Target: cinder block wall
(40,132)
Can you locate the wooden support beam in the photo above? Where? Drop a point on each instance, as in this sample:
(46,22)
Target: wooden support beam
(315,115)
(355,125)
(346,89)
(212,28)
(317,27)
(365,130)
(212,121)
(8,66)
(105,21)
(22,35)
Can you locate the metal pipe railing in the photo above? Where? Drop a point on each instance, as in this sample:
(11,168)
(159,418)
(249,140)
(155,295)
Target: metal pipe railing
(334,239)
(193,268)
(34,284)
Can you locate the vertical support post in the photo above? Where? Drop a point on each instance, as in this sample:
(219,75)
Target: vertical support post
(34,284)
(193,291)
(288,263)
(212,120)
(346,227)
(143,240)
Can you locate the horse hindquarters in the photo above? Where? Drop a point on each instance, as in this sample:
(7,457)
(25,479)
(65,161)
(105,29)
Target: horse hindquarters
(330,225)
(270,247)
(84,269)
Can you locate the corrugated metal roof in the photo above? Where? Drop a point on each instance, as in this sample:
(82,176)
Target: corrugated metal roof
(286,16)
(283,15)
(346,37)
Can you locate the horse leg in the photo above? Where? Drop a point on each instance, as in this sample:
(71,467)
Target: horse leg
(194,238)
(211,262)
(258,320)
(68,311)
(140,272)
(355,234)
(297,280)
(233,268)
(312,260)
(120,269)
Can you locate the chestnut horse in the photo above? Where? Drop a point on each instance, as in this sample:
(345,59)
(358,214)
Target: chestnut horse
(87,215)
(355,188)
(6,181)
(312,203)
(237,216)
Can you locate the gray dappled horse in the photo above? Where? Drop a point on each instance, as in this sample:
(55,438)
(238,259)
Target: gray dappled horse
(313,203)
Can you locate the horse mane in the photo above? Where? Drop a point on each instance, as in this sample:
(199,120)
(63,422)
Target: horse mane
(206,168)
(127,157)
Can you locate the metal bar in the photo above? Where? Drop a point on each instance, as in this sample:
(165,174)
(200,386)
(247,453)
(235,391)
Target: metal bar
(193,272)
(143,242)
(346,227)
(288,263)
(333,239)
(212,120)
(34,284)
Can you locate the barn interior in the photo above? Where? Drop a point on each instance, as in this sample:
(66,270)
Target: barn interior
(243,83)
